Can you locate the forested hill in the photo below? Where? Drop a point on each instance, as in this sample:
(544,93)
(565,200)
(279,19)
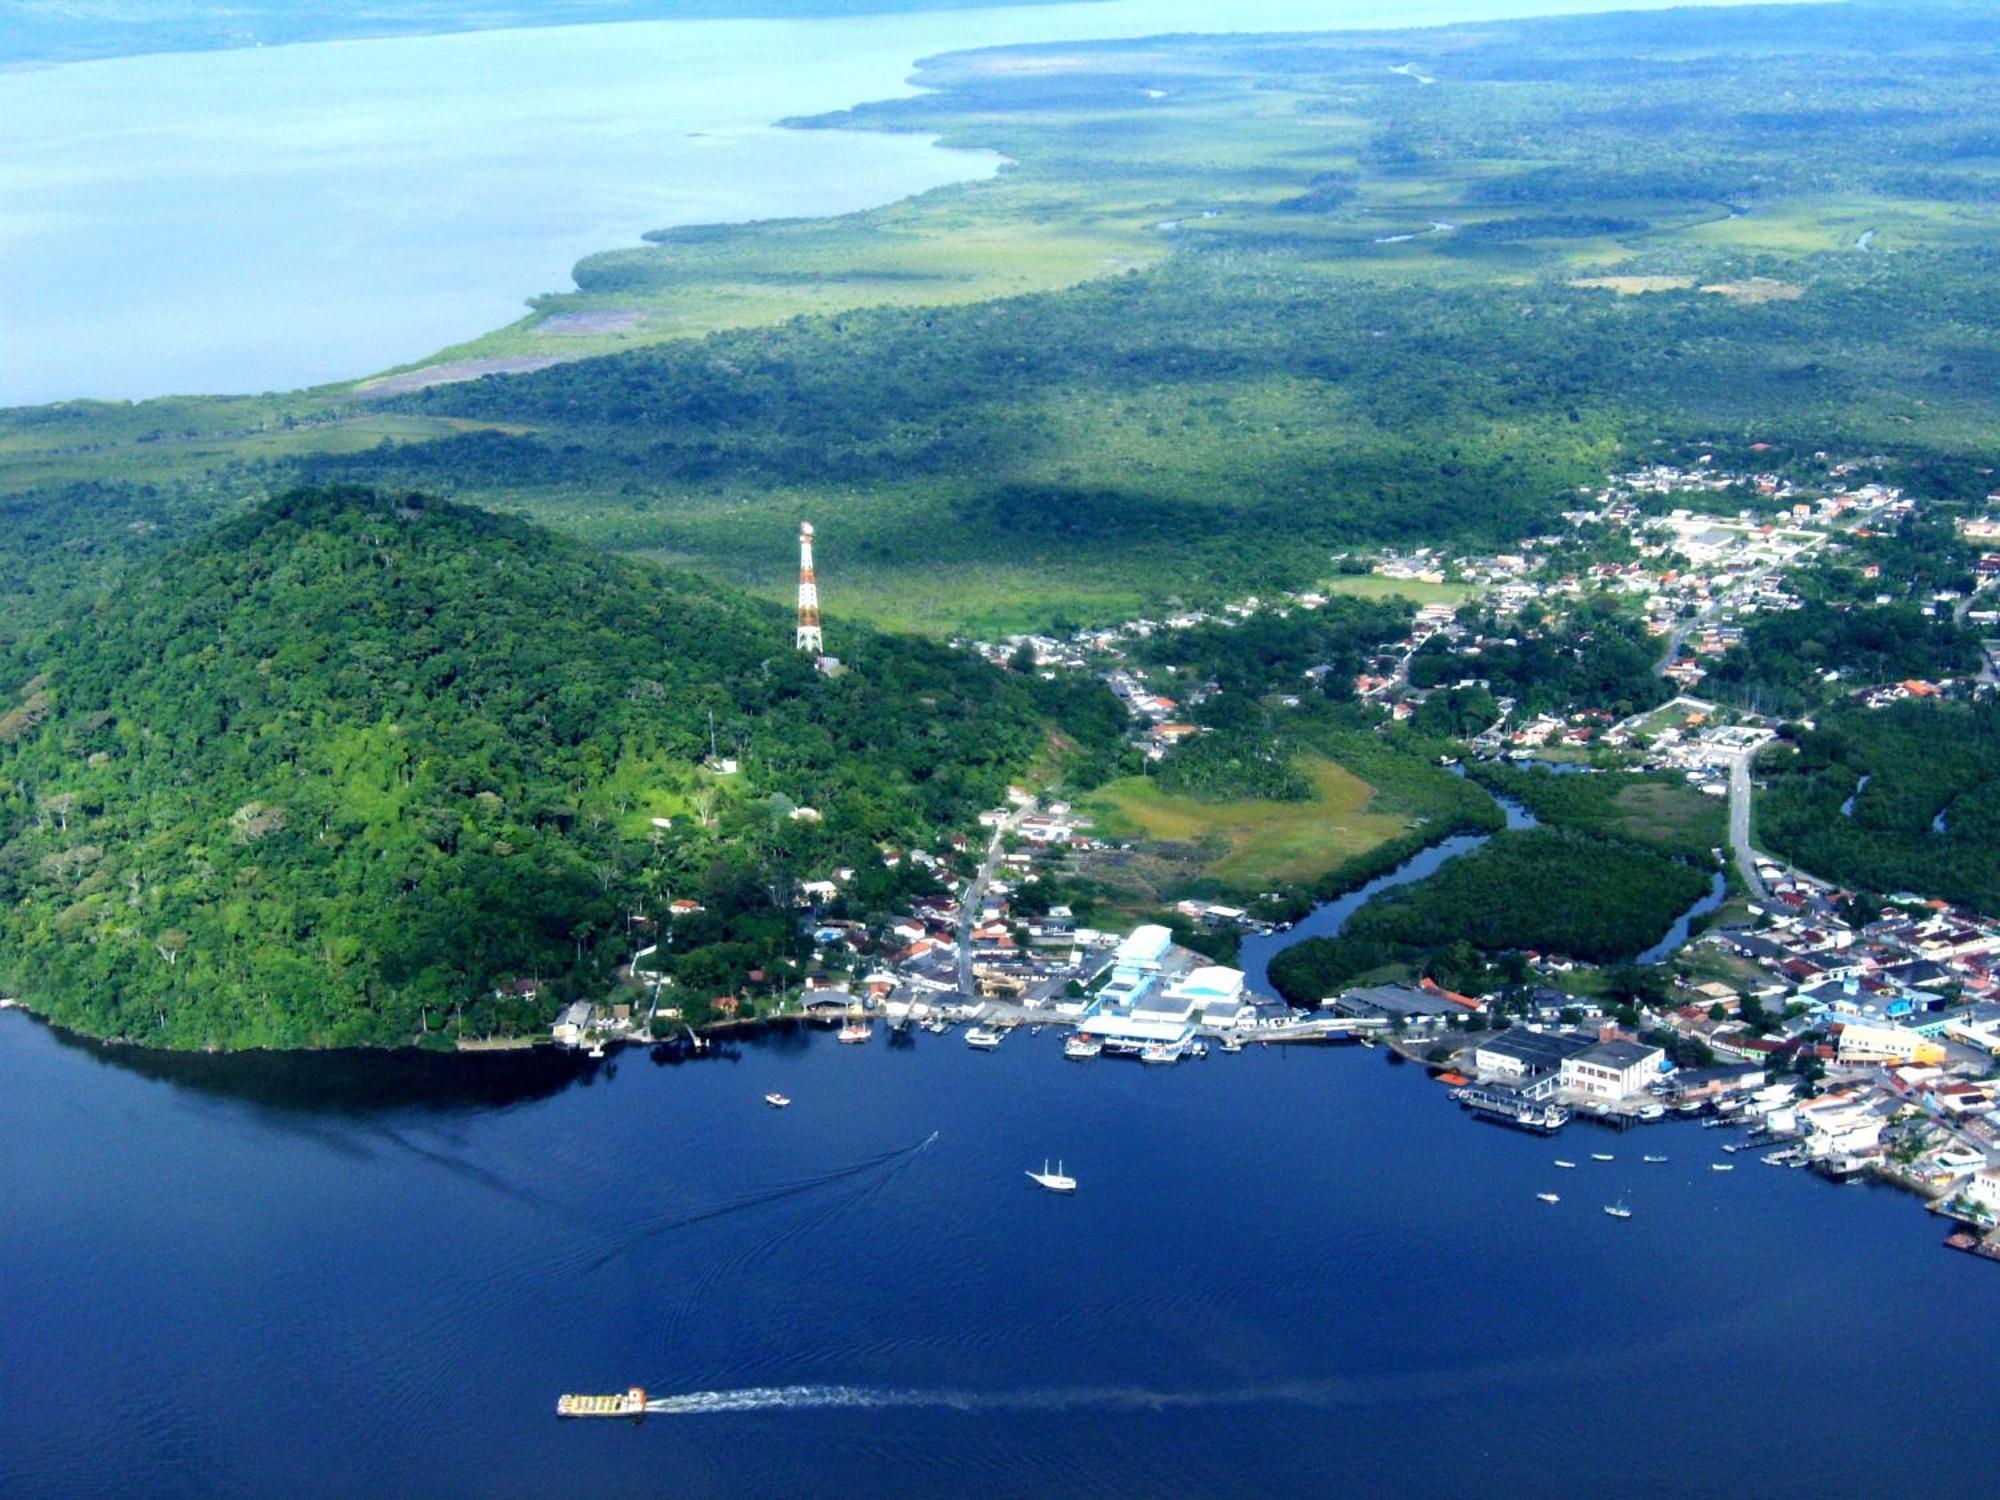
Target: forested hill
(348,763)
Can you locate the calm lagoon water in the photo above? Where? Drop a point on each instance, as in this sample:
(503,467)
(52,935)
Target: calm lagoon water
(1286,1272)
(271,218)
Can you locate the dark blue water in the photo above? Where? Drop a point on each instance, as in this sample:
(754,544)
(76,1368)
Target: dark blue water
(1287,1272)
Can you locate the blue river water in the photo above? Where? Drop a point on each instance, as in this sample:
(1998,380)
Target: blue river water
(1289,1271)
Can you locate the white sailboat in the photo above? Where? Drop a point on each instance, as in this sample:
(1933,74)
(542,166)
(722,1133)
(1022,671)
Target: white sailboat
(1056,1181)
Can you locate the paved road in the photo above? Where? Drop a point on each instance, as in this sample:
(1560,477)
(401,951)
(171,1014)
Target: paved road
(1739,824)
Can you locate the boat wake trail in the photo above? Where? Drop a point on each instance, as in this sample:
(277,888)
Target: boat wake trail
(669,1222)
(1079,1398)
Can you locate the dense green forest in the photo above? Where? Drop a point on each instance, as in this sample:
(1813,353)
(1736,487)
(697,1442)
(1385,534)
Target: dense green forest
(1928,818)
(339,769)
(1549,889)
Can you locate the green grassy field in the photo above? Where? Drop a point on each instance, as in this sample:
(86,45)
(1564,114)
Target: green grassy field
(1255,846)
(1371,586)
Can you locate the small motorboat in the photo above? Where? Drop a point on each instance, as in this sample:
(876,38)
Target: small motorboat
(1082,1047)
(776,1101)
(1619,1210)
(1056,1181)
(1733,1147)
(1602,1156)
(1232,1043)
(1549,1197)
(1722,1166)
(856,1031)
(1653,1160)
(1566,1165)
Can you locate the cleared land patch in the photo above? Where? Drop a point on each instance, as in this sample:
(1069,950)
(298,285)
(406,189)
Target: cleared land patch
(1255,845)
(1634,286)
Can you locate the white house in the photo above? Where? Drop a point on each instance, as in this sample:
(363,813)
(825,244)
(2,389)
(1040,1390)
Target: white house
(1984,1190)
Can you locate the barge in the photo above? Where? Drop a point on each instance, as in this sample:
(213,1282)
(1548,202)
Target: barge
(1505,1106)
(631,1404)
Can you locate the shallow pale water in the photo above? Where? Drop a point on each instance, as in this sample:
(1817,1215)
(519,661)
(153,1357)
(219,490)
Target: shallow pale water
(271,218)
(1285,1272)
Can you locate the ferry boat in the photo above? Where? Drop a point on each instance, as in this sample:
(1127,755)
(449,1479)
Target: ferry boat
(856,1031)
(631,1404)
(1056,1181)
(777,1101)
(985,1038)
(1618,1210)
(1549,1197)
(1082,1047)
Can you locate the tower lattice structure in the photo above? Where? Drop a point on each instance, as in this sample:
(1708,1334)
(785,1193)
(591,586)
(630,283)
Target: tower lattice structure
(809,637)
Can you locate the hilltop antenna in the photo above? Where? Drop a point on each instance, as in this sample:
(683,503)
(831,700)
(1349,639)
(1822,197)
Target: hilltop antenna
(809,637)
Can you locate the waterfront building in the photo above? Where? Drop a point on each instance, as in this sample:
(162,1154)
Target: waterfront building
(573,1025)
(1983,1189)
(1521,1055)
(1612,1070)
(1199,990)
(1394,1002)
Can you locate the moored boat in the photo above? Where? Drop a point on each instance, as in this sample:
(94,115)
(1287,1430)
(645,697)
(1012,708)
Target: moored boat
(856,1031)
(1566,1165)
(985,1038)
(1082,1047)
(1722,1166)
(1602,1156)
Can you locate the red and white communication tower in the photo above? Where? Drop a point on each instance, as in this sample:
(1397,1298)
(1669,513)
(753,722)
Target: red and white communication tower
(809,637)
